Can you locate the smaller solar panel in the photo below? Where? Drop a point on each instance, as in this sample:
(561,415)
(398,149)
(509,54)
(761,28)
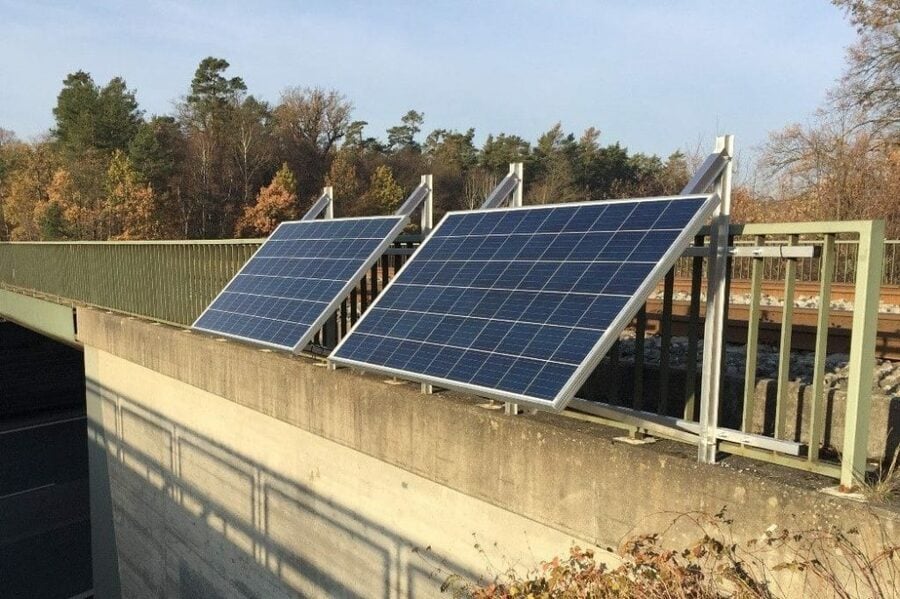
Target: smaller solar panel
(295,281)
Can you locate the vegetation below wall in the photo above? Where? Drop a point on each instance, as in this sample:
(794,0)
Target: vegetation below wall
(779,563)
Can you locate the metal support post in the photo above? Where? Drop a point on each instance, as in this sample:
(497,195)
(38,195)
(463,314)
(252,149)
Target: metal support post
(510,185)
(420,196)
(518,170)
(427,222)
(869,262)
(329,207)
(325,204)
(713,336)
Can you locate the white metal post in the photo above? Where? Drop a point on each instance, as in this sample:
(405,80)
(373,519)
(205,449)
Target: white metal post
(517,169)
(518,195)
(427,222)
(714,332)
(329,207)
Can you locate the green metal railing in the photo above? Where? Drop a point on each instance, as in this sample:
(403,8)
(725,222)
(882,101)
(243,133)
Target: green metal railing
(867,269)
(173,281)
(804,445)
(807,269)
(169,281)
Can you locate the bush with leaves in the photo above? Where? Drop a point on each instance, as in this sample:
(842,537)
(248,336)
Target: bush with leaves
(826,562)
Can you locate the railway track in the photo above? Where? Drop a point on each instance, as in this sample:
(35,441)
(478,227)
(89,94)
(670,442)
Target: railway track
(887,345)
(890,294)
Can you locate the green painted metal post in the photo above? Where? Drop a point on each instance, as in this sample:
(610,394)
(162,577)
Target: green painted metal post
(756,276)
(784,347)
(869,262)
(817,409)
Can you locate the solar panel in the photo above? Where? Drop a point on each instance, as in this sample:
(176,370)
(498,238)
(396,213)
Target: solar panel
(521,304)
(295,281)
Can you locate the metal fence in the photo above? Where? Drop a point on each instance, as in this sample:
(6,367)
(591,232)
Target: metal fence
(168,281)
(174,281)
(802,442)
(807,269)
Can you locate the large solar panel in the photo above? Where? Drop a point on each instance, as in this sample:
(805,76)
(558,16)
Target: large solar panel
(295,281)
(521,304)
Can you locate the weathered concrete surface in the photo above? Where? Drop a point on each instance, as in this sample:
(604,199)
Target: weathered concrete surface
(555,472)
(212,499)
(884,419)
(48,318)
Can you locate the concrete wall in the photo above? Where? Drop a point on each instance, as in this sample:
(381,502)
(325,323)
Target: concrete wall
(239,472)
(212,499)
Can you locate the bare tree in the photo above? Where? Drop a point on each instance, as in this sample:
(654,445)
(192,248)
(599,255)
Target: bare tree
(309,123)
(872,80)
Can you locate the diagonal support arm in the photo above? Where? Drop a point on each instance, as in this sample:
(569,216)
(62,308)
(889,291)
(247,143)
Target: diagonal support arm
(511,185)
(325,204)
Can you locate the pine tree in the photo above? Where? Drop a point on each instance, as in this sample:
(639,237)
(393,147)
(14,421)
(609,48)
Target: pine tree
(384,194)
(342,176)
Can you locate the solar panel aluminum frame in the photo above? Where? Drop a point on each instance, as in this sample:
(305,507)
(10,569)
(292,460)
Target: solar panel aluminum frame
(594,356)
(338,298)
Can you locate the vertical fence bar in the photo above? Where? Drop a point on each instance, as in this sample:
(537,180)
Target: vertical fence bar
(373,282)
(364,292)
(817,408)
(869,260)
(614,355)
(690,380)
(354,306)
(665,343)
(640,332)
(784,346)
(752,348)
(343,319)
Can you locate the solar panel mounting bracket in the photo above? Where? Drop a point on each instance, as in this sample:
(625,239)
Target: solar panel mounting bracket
(716,297)
(324,205)
(422,195)
(510,187)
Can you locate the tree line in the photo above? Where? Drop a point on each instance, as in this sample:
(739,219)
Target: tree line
(228,164)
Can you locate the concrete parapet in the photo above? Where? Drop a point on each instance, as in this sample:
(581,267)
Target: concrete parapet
(557,473)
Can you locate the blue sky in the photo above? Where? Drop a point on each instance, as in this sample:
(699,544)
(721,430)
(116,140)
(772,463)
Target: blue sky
(655,75)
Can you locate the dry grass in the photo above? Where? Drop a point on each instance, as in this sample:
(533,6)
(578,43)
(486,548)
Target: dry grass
(885,486)
(823,562)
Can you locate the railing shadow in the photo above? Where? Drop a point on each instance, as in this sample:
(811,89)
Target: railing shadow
(195,518)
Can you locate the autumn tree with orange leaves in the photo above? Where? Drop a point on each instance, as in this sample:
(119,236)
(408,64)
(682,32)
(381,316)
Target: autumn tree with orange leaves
(275,203)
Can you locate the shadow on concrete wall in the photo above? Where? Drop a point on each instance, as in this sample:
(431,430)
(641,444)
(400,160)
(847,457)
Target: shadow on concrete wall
(194,518)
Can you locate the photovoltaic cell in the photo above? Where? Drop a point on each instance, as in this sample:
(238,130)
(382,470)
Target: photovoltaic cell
(297,278)
(521,304)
